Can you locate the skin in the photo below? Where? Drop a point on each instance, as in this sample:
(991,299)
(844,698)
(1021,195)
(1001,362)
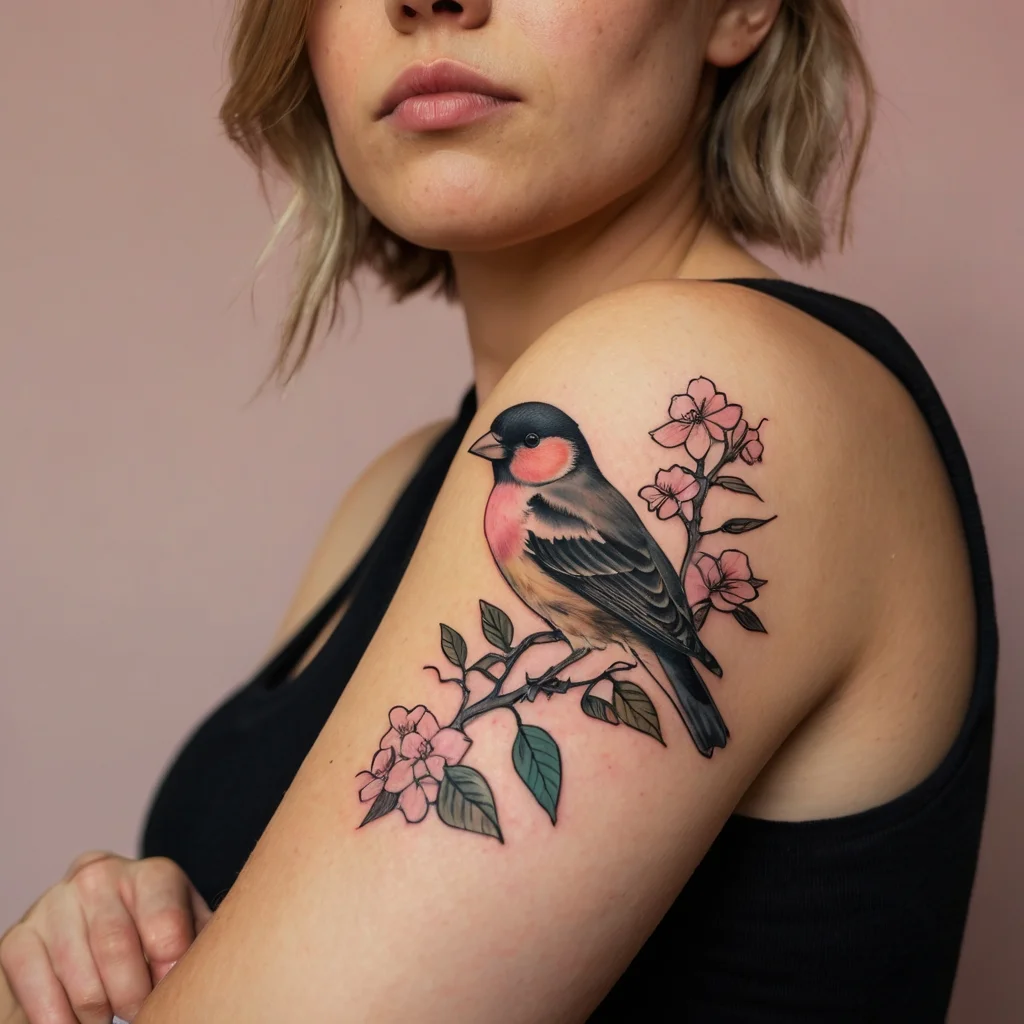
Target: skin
(556,267)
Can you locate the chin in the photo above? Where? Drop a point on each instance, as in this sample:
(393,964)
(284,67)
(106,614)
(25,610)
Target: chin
(484,212)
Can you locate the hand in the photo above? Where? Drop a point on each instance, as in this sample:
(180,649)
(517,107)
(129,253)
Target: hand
(96,943)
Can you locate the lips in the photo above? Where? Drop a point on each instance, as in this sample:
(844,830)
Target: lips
(441,76)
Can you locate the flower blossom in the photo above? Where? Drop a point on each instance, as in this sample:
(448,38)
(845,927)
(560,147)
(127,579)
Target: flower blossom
(699,417)
(372,782)
(747,440)
(419,749)
(672,493)
(724,581)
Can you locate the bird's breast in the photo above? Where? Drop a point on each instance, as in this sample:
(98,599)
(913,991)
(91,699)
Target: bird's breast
(505,521)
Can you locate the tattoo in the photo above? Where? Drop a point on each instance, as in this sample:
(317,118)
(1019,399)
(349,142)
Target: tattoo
(575,552)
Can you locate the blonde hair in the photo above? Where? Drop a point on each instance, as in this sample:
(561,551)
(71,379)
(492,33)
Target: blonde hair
(779,124)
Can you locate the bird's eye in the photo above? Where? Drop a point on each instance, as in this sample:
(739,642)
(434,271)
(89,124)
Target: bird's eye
(531,440)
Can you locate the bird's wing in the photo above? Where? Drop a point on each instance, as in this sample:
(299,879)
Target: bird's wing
(619,577)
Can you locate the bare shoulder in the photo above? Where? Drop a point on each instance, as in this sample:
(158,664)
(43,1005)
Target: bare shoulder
(359,514)
(868,561)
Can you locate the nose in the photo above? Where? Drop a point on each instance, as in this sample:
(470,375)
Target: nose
(410,15)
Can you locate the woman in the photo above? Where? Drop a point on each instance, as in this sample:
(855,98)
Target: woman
(682,700)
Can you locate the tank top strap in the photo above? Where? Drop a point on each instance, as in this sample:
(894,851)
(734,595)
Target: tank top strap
(395,529)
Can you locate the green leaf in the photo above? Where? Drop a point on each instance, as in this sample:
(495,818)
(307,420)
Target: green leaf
(453,645)
(599,708)
(744,525)
(488,661)
(748,619)
(539,764)
(635,709)
(465,801)
(384,804)
(497,626)
(700,614)
(734,483)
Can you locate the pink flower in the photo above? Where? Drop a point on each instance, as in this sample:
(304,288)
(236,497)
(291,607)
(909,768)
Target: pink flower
(372,782)
(422,749)
(403,721)
(672,493)
(699,417)
(724,581)
(747,441)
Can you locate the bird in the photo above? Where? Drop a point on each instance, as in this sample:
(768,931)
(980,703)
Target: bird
(575,551)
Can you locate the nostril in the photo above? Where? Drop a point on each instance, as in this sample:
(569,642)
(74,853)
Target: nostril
(446,6)
(408,11)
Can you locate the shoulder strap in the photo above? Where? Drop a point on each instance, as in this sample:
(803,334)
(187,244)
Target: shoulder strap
(282,664)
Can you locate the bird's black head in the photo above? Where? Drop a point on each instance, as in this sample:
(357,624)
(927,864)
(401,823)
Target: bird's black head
(533,443)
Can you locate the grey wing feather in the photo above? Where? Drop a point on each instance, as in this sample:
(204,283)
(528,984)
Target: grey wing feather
(621,580)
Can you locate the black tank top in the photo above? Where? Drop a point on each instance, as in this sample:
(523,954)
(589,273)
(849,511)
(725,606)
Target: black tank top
(858,918)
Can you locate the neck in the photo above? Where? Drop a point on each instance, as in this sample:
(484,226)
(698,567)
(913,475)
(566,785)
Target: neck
(511,296)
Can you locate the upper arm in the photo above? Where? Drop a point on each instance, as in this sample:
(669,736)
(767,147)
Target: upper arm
(557,834)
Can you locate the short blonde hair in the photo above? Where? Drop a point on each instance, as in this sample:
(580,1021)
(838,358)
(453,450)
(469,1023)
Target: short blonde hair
(779,124)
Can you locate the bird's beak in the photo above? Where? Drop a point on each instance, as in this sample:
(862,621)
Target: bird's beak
(489,447)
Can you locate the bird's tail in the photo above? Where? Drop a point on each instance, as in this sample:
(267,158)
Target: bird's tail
(701,716)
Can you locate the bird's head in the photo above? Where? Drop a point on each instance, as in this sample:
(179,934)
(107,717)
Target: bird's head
(533,443)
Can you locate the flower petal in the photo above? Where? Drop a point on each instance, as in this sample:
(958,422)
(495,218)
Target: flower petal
(678,482)
(416,714)
(413,745)
(686,509)
(419,769)
(382,761)
(371,789)
(739,431)
(668,509)
(714,405)
(735,565)
(413,802)
(652,496)
(716,432)
(435,765)
(721,602)
(683,407)
(451,744)
(399,777)
(701,390)
(738,591)
(710,570)
(398,716)
(430,790)
(696,587)
(427,725)
(726,417)
(392,741)
(699,441)
(752,452)
(671,435)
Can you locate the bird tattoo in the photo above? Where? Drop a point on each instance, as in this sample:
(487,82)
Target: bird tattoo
(575,552)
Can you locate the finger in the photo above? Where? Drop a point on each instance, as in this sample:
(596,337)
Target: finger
(113,939)
(67,942)
(85,859)
(201,912)
(161,906)
(30,976)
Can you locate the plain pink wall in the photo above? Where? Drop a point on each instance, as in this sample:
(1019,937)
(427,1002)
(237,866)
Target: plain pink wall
(154,520)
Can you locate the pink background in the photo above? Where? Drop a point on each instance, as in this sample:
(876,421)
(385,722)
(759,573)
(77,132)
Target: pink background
(154,520)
